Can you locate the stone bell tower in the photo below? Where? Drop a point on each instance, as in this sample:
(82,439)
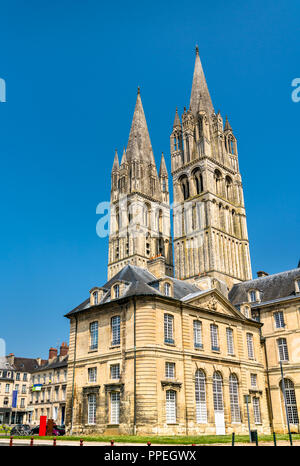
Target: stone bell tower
(140,210)
(210,231)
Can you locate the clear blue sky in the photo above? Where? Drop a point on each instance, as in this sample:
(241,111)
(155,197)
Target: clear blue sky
(72,69)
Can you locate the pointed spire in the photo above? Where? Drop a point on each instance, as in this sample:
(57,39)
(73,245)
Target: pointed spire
(163,168)
(116,162)
(227,125)
(139,144)
(200,97)
(124,158)
(176,120)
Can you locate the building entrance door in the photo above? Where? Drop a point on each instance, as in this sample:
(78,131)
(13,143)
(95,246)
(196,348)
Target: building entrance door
(220,422)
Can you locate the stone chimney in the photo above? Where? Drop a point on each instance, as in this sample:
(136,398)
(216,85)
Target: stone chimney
(11,358)
(157,266)
(262,274)
(64,349)
(52,353)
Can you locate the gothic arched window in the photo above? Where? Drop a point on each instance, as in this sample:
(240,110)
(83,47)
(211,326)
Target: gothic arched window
(198,181)
(228,184)
(218,181)
(185,187)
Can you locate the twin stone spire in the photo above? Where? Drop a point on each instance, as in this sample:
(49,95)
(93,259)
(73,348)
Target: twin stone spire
(139,146)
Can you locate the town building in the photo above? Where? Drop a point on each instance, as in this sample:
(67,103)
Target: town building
(15,382)
(48,387)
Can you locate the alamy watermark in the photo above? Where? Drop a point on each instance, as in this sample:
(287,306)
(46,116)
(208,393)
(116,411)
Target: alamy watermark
(2,90)
(146,219)
(296,92)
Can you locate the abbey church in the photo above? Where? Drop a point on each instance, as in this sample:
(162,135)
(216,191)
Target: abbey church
(181,340)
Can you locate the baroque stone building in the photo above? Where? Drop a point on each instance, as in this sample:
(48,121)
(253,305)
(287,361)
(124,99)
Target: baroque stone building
(176,351)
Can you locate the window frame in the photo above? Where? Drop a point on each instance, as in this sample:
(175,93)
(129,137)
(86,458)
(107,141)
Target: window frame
(171,407)
(197,333)
(92,409)
(214,337)
(94,335)
(230,341)
(283,351)
(250,345)
(115,330)
(168,329)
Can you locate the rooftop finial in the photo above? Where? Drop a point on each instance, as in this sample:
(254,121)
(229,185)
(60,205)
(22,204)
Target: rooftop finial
(139,90)
(197,49)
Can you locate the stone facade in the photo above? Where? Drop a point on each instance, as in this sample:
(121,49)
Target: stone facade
(49,387)
(142,354)
(274,300)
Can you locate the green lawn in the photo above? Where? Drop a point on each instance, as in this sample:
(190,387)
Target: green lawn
(183,440)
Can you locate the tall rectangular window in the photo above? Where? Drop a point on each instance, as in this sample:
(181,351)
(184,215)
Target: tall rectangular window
(279,321)
(92,374)
(115,330)
(256,410)
(197,326)
(91,408)
(170,370)
(214,337)
(171,407)
(18,376)
(7,388)
(23,389)
(114,407)
(115,371)
(229,336)
(94,335)
(253,378)
(283,349)
(168,328)
(250,347)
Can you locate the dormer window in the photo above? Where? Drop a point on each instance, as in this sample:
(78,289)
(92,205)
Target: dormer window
(253,296)
(297,285)
(167,289)
(116,291)
(95,297)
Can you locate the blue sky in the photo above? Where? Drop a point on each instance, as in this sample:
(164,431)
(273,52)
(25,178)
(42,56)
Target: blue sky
(72,69)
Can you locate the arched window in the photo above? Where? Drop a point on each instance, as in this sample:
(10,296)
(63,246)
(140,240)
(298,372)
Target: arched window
(200,392)
(218,181)
(146,212)
(198,180)
(234,398)
(228,184)
(185,187)
(290,401)
(218,392)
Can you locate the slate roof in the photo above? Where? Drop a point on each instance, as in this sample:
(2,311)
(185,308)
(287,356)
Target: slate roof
(25,364)
(55,364)
(272,287)
(139,282)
